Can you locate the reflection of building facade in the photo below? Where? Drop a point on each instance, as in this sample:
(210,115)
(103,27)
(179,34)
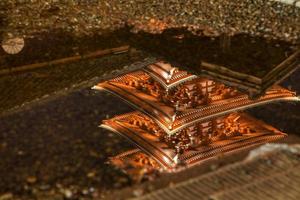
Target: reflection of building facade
(186,118)
(169,87)
(196,135)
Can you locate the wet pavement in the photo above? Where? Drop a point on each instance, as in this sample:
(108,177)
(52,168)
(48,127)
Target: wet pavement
(284,116)
(54,148)
(51,147)
(17,89)
(57,145)
(268,172)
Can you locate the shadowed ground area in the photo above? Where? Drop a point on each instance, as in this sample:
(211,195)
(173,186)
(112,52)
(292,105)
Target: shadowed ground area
(284,116)
(255,56)
(54,149)
(58,144)
(269,172)
(17,89)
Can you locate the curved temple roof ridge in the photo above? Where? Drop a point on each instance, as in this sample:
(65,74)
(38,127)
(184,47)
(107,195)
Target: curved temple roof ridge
(183,119)
(232,134)
(193,100)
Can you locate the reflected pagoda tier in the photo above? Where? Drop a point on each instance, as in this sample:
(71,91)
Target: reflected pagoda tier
(195,143)
(188,100)
(166,75)
(184,119)
(136,164)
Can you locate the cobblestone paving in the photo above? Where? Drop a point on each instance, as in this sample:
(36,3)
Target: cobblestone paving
(265,18)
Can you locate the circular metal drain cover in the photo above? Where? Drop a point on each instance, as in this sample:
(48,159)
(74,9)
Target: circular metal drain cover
(13,45)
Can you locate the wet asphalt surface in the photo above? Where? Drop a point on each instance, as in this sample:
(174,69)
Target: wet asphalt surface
(284,115)
(57,145)
(53,149)
(20,88)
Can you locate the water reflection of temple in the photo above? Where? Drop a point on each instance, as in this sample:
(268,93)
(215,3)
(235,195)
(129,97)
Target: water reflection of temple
(186,119)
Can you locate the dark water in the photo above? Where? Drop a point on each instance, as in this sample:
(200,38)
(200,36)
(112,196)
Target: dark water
(251,55)
(54,145)
(58,142)
(285,115)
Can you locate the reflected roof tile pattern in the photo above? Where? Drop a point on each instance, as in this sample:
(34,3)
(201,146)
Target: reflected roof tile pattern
(184,119)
